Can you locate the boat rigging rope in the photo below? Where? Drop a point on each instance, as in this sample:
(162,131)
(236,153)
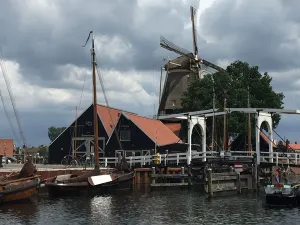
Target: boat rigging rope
(80,99)
(284,141)
(4,72)
(105,98)
(260,129)
(9,120)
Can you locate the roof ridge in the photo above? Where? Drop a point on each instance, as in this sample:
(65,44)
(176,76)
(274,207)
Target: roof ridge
(115,109)
(146,117)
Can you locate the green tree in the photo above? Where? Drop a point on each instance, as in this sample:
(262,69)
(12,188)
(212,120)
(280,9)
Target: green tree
(54,132)
(233,85)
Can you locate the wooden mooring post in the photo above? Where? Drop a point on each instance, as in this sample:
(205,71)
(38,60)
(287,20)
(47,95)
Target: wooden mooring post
(226,181)
(238,183)
(210,188)
(255,176)
(168,177)
(153,177)
(182,173)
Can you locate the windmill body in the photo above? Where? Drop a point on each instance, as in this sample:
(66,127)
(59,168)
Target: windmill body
(178,76)
(181,72)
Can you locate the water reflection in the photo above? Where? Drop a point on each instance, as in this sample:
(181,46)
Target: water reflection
(18,212)
(144,207)
(101,209)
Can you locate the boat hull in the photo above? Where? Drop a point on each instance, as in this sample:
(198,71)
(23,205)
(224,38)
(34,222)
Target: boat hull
(124,182)
(281,200)
(24,191)
(281,194)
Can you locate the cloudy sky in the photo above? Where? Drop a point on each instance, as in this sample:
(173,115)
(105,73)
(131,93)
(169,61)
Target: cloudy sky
(47,67)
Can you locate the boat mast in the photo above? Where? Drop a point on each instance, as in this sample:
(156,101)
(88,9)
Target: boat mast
(75,135)
(225,142)
(213,123)
(161,70)
(96,149)
(249,126)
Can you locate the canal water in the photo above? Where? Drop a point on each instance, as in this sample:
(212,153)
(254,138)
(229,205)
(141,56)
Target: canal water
(157,207)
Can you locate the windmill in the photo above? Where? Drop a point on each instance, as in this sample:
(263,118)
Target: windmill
(180,72)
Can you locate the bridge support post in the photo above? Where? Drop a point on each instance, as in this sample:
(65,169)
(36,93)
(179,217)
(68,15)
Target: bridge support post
(260,118)
(192,121)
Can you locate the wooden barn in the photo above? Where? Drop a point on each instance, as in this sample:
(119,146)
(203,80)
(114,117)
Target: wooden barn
(137,135)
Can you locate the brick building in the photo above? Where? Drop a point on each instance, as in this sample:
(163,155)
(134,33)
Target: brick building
(6,146)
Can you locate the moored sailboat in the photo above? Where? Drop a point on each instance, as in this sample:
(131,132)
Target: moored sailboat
(95,181)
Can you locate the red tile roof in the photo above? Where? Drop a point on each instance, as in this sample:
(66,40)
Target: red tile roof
(266,139)
(109,117)
(154,129)
(174,127)
(294,146)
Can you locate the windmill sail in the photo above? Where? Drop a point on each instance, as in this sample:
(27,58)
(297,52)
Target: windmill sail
(181,72)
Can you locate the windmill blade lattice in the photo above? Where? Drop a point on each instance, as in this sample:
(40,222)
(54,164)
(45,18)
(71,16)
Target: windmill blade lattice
(175,48)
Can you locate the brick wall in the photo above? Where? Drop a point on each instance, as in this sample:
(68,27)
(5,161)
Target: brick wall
(7,146)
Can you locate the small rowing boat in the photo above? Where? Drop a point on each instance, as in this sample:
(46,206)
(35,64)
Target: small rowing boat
(282,194)
(18,189)
(20,186)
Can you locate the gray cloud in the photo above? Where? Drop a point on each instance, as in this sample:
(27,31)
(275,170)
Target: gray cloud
(254,31)
(44,35)
(45,39)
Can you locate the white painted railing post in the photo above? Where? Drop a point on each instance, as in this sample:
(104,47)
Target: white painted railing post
(130,161)
(165,159)
(105,162)
(276,158)
(177,159)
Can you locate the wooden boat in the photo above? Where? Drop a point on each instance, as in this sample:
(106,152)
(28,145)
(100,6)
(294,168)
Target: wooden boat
(18,189)
(95,181)
(64,185)
(282,194)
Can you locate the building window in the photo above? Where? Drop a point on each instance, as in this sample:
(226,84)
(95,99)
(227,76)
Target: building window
(125,135)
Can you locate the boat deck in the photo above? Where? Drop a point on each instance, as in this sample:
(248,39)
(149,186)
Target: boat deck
(47,171)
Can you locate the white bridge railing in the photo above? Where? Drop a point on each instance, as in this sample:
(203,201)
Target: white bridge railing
(177,158)
(280,158)
(181,158)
